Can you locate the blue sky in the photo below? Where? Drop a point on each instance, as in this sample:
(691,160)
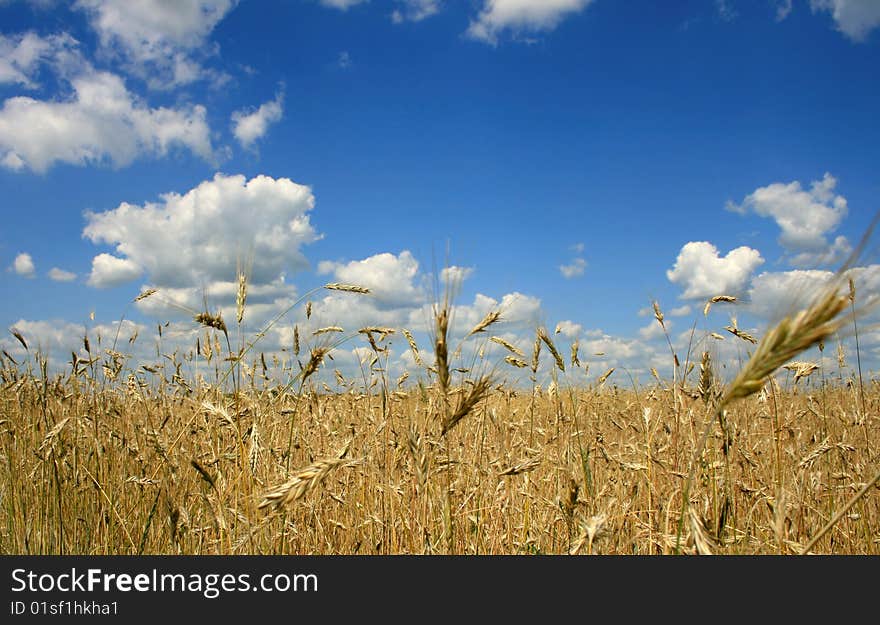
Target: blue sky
(575,160)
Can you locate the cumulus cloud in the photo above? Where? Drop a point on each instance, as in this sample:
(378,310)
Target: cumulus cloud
(521,16)
(248,127)
(681,311)
(805,217)
(832,255)
(22,55)
(703,272)
(455,275)
(57,338)
(60,275)
(156,38)
(613,349)
(109,271)
(101,122)
(390,278)
(569,329)
(415,10)
(574,269)
(518,311)
(264,302)
(854,18)
(776,294)
(23,265)
(202,236)
(654,330)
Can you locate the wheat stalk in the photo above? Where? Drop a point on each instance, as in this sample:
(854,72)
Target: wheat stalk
(303,481)
(542,334)
(491,317)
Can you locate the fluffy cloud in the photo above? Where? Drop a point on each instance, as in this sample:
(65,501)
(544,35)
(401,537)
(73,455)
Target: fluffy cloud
(248,127)
(613,349)
(455,275)
(21,56)
(854,18)
(520,16)
(109,271)
(569,329)
(520,315)
(157,38)
(834,254)
(264,302)
(805,217)
(390,278)
(574,269)
(415,10)
(681,311)
(23,265)
(57,338)
(654,330)
(703,272)
(202,236)
(60,275)
(776,294)
(100,122)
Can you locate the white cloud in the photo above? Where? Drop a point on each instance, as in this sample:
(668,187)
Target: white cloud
(415,10)
(455,275)
(109,271)
(21,56)
(569,329)
(101,122)
(654,330)
(681,311)
(157,37)
(343,61)
(703,272)
(517,311)
(836,253)
(775,294)
(264,302)
(390,278)
(200,237)
(520,16)
(23,265)
(805,217)
(60,275)
(574,269)
(57,338)
(248,127)
(854,18)
(614,349)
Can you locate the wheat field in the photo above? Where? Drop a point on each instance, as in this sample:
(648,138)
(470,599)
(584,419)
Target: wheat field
(113,457)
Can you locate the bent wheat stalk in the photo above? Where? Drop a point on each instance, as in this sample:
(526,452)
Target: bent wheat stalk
(303,481)
(791,336)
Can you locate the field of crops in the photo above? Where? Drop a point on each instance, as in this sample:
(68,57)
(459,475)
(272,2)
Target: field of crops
(111,457)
